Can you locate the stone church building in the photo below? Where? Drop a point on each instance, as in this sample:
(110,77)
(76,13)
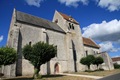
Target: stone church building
(64,32)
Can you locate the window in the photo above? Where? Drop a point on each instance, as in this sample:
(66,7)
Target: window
(72,26)
(86,53)
(56,21)
(56,53)
(30,43)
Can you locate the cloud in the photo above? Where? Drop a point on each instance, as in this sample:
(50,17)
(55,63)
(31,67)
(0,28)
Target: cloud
(73,3)
(111,5)
(34,2)
(105,31)
(1,38)
(108,46)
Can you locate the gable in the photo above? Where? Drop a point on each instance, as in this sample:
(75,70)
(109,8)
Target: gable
(66,17)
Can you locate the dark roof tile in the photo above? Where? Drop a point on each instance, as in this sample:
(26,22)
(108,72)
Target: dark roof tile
(30,19)
(89,42)
(116,59)
(68,18)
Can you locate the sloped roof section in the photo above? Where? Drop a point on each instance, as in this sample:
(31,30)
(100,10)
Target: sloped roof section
(89,42)
(33,20)
(116,59)
(68,18)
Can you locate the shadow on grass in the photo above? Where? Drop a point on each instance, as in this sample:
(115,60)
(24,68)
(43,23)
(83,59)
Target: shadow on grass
(31,78)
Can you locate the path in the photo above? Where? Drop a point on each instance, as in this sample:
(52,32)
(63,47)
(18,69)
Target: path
(88,76)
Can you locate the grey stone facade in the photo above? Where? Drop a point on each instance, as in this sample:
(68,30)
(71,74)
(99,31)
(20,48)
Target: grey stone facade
(64,33)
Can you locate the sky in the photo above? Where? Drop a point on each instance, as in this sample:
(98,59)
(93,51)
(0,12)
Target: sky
(98,19)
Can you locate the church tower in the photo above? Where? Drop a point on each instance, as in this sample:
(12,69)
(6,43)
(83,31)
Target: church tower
(75,50)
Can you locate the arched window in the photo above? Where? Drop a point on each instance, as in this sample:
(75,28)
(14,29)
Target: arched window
(30,43)
(72,26)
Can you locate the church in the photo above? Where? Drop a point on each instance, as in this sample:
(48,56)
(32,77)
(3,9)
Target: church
(63,31)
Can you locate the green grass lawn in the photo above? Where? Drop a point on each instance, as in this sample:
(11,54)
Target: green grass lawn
(61,77)
(99,73)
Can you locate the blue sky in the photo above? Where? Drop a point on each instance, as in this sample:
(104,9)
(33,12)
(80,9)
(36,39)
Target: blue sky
(99,19)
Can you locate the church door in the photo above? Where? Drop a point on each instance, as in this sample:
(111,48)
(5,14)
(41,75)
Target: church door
(56,68)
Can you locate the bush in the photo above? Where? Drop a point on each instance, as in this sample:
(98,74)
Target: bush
(116,66)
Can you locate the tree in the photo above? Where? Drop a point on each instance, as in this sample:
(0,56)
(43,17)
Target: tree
(88,60)
(98,60)
(7,56)
(39,54)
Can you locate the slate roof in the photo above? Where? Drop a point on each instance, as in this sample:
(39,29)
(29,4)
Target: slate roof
(33,20)
(68,18)
(89,42)
(116,59)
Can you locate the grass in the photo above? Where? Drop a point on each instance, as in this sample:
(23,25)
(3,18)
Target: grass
(99,73)
(51,77)
(62,77)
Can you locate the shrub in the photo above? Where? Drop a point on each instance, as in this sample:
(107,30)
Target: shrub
(116,66)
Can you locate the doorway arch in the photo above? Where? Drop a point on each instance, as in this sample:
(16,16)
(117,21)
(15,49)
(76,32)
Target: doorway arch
(57,68)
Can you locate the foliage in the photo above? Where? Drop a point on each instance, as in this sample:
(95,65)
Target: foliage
(98,60)
(88,60)
(39,54)
(7,56)
(116,66)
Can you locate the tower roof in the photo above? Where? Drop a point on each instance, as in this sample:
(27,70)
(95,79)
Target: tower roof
(89,42)
(68,18)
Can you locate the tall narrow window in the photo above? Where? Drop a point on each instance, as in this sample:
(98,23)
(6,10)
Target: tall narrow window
(47,38)
(86,53)
(30,43)
(56,53)
(72,26)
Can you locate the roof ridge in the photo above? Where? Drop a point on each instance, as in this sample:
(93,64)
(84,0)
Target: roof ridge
(34,16)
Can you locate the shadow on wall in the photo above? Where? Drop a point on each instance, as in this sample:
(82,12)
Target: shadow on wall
(19,56)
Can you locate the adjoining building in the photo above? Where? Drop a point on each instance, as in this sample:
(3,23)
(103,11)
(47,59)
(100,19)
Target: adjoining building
(116,60)
(64,32)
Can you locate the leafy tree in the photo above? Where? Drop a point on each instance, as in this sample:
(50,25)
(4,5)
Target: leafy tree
(98,60)
(116,66)
(7,56)
(88,60)
(39,54)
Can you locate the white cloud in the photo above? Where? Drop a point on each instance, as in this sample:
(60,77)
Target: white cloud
(105,31)
(73,3)
(111,5)
(34,2)
(1,38)
(108,46)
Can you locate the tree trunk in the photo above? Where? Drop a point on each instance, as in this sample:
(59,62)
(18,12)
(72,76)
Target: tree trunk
(36,72)
(97,66)
(88,67)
